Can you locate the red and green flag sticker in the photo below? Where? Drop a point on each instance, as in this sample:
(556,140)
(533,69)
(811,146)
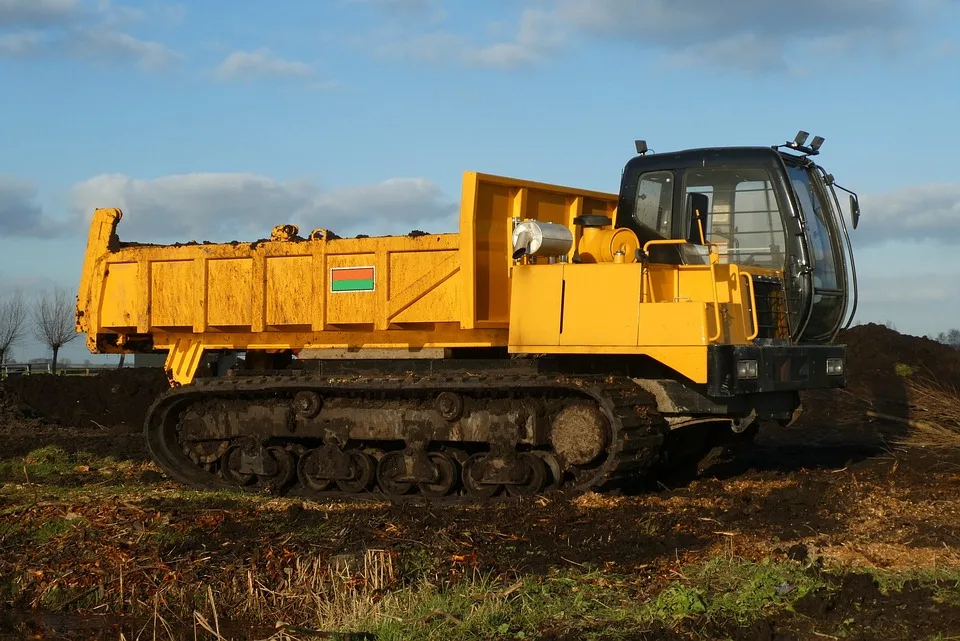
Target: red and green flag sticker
(351,279)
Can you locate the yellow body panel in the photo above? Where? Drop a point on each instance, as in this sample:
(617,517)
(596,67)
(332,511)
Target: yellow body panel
(408,293)
(602,312)
(600,304)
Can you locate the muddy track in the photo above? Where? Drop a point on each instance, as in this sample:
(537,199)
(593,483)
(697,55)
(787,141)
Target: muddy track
(635,428)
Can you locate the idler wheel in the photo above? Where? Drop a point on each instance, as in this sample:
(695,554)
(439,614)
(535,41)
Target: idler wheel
(579,434)
(446,476)
(536,476)
(362,471)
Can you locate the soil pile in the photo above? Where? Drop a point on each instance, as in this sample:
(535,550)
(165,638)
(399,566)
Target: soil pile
(874,353)
(879,362)
(111,399)
(13,413)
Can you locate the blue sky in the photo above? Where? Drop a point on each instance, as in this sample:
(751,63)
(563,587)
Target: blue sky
(217,121)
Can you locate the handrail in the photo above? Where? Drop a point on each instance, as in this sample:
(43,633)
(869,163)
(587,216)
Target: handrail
(665,241)
(714,257)
(753,309)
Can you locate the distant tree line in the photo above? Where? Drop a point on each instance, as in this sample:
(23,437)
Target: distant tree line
(950,337)
(48,315)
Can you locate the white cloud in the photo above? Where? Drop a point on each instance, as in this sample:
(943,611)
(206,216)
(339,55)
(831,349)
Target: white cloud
(402,6)
(67,28)
(748,52)
(751,35)
(913,213)
(36,12)
(406,9)
(115,14)
(107,45)
(241,206)
(537,36)
(246,65)
(22,44)
(698,21)
(20,215)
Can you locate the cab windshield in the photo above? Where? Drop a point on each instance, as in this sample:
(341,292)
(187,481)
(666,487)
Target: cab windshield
(743,215)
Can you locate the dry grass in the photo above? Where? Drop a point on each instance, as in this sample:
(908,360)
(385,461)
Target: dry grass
(935,415)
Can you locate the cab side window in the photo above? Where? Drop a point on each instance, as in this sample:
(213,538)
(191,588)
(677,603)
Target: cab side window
(654,206)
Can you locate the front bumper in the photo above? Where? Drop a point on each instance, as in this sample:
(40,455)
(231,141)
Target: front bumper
(779,368)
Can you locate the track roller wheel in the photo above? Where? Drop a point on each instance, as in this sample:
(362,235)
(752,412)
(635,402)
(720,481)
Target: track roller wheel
(306,468)
(363,469)
(536,476)
(389,469)
(446,476)
(231,467)
(471,485)
(286,467)
(276,472)
(553,467)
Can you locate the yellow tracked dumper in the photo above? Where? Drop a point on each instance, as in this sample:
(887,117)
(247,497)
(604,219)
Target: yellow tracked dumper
(563,338)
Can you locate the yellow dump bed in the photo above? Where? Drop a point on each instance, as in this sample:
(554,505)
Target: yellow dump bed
(437,290)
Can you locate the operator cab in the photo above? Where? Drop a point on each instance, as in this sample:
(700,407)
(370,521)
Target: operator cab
(772,212)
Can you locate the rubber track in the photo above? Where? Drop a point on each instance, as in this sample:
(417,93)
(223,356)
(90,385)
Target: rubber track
(638,429)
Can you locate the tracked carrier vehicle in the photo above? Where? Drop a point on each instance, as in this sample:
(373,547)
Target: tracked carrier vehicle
(563,337)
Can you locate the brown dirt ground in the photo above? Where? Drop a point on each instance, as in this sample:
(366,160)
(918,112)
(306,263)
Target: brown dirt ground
(102,415)
(835,487)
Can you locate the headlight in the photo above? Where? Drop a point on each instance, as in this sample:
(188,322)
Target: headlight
(834,366)
(746,369)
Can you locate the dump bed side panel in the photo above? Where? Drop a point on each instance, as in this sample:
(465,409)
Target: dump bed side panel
(315,286)
(488,206)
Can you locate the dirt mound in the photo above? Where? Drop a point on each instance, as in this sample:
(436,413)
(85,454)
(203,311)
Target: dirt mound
(13,413)
(875,354)
(879,362)
(111,399)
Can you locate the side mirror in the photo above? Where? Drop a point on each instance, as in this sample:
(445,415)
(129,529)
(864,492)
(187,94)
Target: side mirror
(854,210)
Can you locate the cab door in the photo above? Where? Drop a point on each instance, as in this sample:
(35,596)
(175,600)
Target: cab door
(825,268)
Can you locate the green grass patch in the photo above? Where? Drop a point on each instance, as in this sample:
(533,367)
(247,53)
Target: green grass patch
(943,582)
(488,608)
(723,590)
(728,589)
(904,371)
(52,462)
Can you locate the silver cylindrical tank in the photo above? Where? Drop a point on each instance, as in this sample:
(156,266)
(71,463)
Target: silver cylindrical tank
(534,238)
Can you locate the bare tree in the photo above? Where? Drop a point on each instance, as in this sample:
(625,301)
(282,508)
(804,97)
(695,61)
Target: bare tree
(13,316)
(951,338)
(54,318)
